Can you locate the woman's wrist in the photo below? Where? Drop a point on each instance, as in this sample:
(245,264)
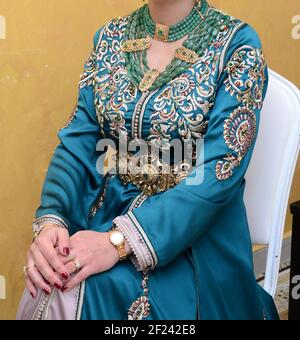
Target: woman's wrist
(42,228)
(47,221)
(121,245)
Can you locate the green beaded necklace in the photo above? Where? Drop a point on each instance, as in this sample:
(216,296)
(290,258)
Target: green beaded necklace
(198,41)
(173,32)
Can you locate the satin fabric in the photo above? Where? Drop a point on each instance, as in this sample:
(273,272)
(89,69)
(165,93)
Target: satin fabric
(199,233)
(115,290)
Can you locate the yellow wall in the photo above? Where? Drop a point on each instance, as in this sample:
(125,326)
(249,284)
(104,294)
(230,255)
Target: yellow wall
(40,61)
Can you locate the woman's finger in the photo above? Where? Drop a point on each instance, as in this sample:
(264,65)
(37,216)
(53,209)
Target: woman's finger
(72,267)
(47,249)
(31,287)
(66,259)
(44,268)
(74,260)
(82,275)
(29,283)
(38,280)
(63,242)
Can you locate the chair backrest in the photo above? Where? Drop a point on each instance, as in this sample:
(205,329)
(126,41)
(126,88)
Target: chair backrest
(270,174)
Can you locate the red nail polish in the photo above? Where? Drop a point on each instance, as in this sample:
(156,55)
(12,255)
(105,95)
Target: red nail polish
(66,251)
(46,292)
(32,295)
(64,288)
(56,285)
(65,276)
(48,283)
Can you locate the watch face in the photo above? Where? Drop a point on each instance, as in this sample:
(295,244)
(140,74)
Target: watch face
(116,238)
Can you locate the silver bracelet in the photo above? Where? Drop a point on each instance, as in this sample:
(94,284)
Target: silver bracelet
(40,223)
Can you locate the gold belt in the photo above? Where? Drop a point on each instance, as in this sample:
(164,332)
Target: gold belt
(152,177)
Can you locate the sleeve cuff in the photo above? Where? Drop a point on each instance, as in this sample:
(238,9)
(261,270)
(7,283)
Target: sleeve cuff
(144,256)
(46,219)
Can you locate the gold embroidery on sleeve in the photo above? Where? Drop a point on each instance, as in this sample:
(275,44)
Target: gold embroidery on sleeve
(246,80)
(246,76)
(87,78)
(239,134)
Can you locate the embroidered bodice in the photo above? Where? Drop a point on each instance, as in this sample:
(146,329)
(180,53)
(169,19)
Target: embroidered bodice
(179,109)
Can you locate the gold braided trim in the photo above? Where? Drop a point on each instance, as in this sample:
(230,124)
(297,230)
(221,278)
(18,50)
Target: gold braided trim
(186,55)
(135,45)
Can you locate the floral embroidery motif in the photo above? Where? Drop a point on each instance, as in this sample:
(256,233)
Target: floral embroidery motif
(224,168)
(239,135)
(113,90)
(181,107)
(246,76)
(246,80)
(90,68)
(240,130)
(113,94)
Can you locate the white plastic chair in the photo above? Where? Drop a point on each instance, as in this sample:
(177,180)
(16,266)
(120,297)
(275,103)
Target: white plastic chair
(271,171)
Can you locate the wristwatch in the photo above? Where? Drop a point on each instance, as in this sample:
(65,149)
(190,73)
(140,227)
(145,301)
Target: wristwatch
(118,240)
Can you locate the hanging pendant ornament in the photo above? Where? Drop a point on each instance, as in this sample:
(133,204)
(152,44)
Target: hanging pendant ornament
(140,309)
(170,33)
(149,79)
(162,33)
(186,55)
